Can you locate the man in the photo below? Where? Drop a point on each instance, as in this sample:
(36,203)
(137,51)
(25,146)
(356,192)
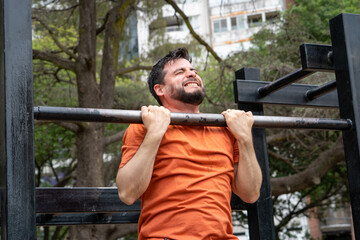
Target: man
(184,175)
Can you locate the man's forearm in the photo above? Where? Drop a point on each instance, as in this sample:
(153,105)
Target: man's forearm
(248,176)
(133,179)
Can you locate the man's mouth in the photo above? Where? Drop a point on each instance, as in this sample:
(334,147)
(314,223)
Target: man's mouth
(192,84)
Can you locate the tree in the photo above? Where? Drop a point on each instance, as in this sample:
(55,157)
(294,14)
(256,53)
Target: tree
(78,30)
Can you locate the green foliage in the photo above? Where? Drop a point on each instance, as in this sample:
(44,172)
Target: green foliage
(54,147)
(53,86)
(58,232)
(131,94)
(313,16)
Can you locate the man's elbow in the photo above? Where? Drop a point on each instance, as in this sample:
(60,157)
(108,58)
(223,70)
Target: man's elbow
(126,198)
(251,198)
(247,195)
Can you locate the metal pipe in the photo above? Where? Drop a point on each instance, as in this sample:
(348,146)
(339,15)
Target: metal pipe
(318,92)
(200,119)
(283,82)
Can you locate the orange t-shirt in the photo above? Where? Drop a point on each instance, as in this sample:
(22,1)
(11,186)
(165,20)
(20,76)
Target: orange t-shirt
(190,190)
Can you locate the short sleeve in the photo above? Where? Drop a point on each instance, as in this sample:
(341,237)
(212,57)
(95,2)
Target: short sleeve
(132,139)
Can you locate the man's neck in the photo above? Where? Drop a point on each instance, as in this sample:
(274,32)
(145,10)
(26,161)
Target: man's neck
(182,107)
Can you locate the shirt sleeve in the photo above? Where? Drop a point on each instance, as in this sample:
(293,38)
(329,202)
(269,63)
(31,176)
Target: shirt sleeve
(132,139)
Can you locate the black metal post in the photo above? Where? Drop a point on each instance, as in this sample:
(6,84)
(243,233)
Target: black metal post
(260,214)
(18,220)
(345,35)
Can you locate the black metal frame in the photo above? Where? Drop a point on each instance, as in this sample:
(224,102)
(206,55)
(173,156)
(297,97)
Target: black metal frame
(20,213)
(345,35)
(343,58)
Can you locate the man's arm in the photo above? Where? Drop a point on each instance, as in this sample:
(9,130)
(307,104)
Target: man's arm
(248,176)
(133,179)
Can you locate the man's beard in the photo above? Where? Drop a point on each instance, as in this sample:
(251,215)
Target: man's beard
(194,98)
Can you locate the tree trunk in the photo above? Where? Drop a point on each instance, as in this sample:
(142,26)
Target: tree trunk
(89,145)
(90,137)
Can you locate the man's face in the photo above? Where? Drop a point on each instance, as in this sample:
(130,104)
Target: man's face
(182,82)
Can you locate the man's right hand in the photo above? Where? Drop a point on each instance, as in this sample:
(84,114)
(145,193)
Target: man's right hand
(156,119)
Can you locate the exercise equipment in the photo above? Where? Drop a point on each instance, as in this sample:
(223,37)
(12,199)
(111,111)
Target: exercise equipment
(200,119)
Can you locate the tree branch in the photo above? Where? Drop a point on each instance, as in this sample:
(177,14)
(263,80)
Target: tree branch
(57,42)
(114,138)
(307,207)
(70,126)
(274,138)
(102,27)
(193,33)
(287,161)
(122,71)
(312,174)
(55,59)
(40,10)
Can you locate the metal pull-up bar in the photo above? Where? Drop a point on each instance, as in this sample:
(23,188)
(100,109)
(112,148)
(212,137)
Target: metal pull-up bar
(200,119)
(318,92)
(283,82)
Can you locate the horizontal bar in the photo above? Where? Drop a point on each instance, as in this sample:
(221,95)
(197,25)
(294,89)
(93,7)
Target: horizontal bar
(200,119)
(320,91)
(56,200)
(316,57)
(81,206)
(86,219)
(293,95)
(283,82)
(85,200)
(300,122)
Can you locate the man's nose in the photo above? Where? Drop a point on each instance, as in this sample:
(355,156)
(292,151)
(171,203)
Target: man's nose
(191,73)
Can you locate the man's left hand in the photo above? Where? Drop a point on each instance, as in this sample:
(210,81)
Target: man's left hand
(240,123)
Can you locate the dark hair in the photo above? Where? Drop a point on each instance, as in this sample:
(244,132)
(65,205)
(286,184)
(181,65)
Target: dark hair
(157,75)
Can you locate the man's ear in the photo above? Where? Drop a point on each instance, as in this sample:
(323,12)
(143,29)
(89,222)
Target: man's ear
(159,89)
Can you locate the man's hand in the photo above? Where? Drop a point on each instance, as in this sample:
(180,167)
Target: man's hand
(156,119)
(239,123)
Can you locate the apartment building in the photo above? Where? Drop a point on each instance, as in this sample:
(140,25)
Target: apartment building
(226,25)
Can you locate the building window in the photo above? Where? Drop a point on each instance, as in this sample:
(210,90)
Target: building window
(254,20)
(194,21)
(220,25)
(174,24)
(237,22)
(272,17)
